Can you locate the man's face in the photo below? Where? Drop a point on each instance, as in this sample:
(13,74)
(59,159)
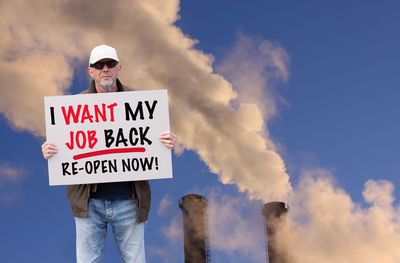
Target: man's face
(105,78)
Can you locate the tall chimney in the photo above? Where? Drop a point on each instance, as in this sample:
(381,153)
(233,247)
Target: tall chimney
(274,213)
(195,228)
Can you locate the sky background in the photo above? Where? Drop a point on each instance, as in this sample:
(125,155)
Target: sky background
(311,87)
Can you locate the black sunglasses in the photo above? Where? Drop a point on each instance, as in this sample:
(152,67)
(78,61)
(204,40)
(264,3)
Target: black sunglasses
(100,65)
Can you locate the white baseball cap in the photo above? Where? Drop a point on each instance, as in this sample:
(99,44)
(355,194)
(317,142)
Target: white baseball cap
(102,52)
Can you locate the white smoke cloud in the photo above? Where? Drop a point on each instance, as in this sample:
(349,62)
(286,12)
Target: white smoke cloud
(325,225)
(9,177)
(34,59)
(253,65)
(165,205)
(236,227)
(10,174)
(45,39)
(174,230)
(223,121)
(170,247)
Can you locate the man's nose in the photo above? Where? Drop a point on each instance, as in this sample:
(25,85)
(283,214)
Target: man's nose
(105,68)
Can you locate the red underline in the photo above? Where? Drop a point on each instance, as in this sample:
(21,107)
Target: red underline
(109,151)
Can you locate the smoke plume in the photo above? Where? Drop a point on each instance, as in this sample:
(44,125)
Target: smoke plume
(326,225)
(10,176)
(46,39)
(235,227)
(222,117)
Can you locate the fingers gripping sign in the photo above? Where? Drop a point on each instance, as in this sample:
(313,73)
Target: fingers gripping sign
(168,139)
(48,149)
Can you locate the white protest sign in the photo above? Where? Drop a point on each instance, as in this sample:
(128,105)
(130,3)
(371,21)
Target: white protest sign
(108,137)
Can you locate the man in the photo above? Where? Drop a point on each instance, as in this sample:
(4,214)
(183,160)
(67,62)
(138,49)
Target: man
(124,205)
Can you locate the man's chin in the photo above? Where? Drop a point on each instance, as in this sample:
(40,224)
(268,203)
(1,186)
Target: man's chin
(106,84)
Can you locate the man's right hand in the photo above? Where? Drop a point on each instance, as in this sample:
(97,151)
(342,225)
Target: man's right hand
(48,149)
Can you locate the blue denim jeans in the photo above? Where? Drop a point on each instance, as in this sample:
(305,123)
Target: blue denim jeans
(91,232)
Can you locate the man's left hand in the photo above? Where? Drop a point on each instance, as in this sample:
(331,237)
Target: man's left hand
(168,139)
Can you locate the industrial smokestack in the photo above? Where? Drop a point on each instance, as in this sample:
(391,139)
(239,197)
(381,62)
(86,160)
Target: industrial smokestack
(274,213)
(195,228)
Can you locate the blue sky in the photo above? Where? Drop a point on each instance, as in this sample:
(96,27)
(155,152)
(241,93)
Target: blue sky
(334,116)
